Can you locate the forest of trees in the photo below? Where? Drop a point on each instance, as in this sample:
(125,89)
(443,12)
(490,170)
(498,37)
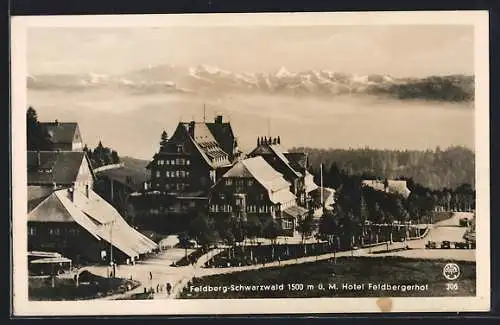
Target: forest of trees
(435,169)
(102,156)
(37,136)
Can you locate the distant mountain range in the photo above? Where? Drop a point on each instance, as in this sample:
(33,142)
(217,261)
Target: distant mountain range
(206,79)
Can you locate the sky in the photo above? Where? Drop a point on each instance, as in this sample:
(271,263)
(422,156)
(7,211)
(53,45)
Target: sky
(401,51)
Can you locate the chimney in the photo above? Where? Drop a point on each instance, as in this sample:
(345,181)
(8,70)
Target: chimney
(191,128)
(57,122)
(258,141)
(269,140)
(218,119)
(275,140)
(87,190)
(279,141)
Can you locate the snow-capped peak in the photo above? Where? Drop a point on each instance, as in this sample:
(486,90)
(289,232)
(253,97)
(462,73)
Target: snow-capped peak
(282,72)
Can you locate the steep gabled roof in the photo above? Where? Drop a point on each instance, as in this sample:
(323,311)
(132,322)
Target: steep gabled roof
(224,135)
(61,132)
(298,160)
(96,216)
(393,186)
(36,194)
(48,167)
(206,144)
(280,153)
(257,168)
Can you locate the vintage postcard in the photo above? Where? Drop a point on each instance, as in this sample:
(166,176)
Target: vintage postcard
(251,163)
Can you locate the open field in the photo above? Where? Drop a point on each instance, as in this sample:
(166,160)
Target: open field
(361,272)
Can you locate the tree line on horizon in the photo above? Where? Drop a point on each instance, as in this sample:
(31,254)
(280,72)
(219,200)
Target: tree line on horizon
(434,169)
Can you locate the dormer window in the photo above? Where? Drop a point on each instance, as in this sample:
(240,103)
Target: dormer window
(179,148)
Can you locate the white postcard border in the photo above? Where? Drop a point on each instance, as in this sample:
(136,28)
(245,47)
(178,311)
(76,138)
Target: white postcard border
(23,307)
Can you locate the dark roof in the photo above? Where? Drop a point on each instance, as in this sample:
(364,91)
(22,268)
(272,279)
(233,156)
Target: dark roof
(36,194)
(129,177)
(60,167)
(276,150)
(61,132)
(224,135)
(298,160)
(206,144)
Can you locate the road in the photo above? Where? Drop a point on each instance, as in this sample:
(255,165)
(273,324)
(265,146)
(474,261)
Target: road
(162,272)
(449,230)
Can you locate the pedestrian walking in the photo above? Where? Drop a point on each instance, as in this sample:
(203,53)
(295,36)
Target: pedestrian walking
(157,288)
(150,276)
(169,288)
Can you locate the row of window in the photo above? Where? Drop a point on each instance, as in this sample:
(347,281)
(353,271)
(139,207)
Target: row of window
(239,182)
(173,162)
(173,174)
(249,208)
(55,231)
(239,201)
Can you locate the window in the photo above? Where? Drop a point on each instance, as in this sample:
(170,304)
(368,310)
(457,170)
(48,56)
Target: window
(229,182)
(167,162)
(250,182)
(287,224)
(239,182)
(172,162)
(167,186)
(160,162)
(54,231)
(167,174)
(183,174)
(188,162)
(262,196)
(31,231)
(74,231)
(222,196)
(178,161)
(157,174)
(179,148)
(181,161)
(177,173)
(187,174)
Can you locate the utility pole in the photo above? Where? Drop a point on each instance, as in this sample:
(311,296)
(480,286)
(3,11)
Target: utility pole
(321,188)
(112,262)
(204,113)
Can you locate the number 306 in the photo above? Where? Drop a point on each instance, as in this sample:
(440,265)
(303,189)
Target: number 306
(452,286)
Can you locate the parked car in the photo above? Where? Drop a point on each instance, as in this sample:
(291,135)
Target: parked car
(464,222)
(431,245)
(445,244)
(461,245)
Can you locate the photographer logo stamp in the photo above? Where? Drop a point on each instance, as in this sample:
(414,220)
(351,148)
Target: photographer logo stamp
(451,271)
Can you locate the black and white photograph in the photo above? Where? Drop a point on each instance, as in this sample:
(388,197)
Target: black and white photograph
(226,163)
